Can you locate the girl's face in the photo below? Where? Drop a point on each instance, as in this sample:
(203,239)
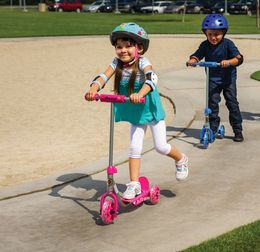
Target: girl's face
(126,51)
(214,36)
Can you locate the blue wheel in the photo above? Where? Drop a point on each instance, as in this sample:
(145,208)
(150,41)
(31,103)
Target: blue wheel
(222,131)
(202,133)
(206,138)
(211,136)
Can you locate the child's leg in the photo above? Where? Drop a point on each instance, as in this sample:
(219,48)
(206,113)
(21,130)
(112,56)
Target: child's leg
(235,118)
(134,168)
(158,130)
(214,100)
(137,133)
(175,154)
(159,136)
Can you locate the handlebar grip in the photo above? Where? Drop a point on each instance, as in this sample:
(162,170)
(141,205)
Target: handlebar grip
(115,98)
(142,100)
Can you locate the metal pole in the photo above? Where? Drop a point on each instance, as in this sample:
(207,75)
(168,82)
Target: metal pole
(207,87)
(24,5)
(257,13)
(226,12)
(184,11)
(111,136)
(117,7)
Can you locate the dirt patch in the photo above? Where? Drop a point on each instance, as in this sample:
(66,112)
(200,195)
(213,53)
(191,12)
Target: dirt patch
(45,124)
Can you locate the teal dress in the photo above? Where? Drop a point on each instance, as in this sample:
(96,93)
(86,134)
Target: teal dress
(151,111)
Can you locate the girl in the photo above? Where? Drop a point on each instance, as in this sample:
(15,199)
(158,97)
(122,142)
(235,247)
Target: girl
(134,77)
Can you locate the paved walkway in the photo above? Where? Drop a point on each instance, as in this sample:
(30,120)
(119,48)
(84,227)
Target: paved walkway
(221,193)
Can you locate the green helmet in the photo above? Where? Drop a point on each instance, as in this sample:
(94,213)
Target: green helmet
(133,31)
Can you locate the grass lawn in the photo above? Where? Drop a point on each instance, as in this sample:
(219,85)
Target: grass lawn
(243,239)
(16,23)
(256,75)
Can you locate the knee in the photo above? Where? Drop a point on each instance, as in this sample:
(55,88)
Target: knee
(163,149)
(232,104)
(135,152)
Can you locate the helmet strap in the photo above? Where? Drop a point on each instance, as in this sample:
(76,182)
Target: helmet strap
(137,56)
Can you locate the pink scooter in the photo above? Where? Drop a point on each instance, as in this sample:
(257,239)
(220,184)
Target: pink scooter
(111,200)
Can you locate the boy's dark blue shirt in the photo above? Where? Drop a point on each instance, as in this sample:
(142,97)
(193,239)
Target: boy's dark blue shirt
(224,50)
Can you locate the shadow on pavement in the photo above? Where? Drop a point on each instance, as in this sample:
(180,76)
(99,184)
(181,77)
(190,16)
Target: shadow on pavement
(83,181)
(80,181)
(251,116)
(190,133)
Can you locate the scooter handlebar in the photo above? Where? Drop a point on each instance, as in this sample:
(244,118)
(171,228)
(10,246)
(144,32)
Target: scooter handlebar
(207,64)
(115,98)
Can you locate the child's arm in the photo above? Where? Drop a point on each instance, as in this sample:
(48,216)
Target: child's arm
(236,61)
(98,83)
(236,58)
(148,86)
(198,55)
(193,59)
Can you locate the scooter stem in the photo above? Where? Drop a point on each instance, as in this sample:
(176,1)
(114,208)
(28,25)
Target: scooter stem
(207,87)
(111,136)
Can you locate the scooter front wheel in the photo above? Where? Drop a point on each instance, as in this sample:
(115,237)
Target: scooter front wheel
(154,194)
(108,211)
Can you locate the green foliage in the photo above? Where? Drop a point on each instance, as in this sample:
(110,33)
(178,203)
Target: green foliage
(243,239)
(256,75)
(16,23)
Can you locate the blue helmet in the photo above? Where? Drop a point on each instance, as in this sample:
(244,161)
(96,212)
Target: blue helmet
(215,22)
(130,30)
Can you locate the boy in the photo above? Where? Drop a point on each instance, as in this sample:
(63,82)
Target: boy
(219,49)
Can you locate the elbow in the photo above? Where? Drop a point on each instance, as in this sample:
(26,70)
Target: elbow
(240,59)
(151,79)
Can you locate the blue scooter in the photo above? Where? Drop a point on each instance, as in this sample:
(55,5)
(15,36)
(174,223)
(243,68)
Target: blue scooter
(206,133)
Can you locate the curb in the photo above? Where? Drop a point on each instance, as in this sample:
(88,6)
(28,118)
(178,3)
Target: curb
(50,182)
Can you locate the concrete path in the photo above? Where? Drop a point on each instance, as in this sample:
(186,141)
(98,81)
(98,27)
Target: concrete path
(222,191)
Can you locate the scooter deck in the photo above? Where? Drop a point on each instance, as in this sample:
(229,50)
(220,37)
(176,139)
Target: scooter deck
(139,199)
(145,186)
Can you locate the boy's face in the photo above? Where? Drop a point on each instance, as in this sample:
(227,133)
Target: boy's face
(214,36)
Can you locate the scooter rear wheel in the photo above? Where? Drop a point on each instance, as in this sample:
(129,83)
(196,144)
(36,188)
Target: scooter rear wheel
(221,131)
(108,211)
(205,140)
(154,194)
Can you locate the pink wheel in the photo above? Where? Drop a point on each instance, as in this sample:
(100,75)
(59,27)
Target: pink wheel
(154,194)
(108,212)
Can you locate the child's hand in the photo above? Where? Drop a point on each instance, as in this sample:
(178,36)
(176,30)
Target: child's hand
(90,95)
(191,62)
(135,98)
(225,63)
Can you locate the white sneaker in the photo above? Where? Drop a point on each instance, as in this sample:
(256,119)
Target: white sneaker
(133,189)
(182,170)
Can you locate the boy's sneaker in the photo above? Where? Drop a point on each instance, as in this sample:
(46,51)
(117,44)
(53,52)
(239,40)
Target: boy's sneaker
(238,137)
(133,189)
(182,170)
